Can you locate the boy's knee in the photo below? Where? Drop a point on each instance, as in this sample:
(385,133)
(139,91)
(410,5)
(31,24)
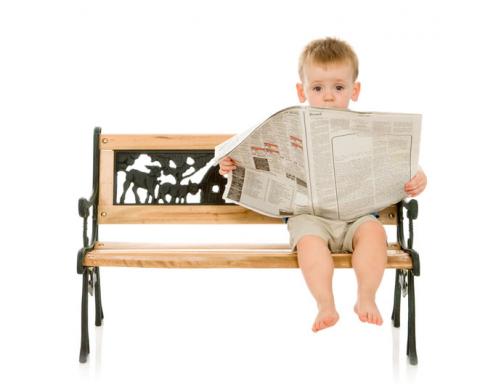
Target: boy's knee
(370,232)
(310,242)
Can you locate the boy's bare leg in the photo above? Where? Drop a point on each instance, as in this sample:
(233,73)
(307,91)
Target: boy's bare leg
(369,260)
(316,263)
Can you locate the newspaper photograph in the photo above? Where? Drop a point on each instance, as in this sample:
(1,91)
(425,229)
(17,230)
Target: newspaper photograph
(337,164)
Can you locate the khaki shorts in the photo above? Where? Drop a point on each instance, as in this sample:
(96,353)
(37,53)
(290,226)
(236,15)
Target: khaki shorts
(338,234)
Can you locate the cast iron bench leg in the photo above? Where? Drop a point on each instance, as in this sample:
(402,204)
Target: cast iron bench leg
(98,300)
(396,301)
(84,343)
(411,343)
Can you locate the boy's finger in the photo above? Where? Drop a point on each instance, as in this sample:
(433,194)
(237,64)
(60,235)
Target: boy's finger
(224,170)
(410,185)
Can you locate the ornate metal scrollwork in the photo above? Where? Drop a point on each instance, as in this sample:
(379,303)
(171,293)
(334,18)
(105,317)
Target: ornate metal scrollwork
(167,177)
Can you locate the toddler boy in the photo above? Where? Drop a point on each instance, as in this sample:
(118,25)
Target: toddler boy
(328,70)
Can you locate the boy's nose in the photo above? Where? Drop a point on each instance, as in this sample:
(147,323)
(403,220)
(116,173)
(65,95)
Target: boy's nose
(328,96)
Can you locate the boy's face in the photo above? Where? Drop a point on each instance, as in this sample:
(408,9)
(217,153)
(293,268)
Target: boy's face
(328,86)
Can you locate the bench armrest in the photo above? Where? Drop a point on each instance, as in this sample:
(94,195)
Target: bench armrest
(411,208)
(84,206)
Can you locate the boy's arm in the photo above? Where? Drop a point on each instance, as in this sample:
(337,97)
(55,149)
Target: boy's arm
(417,184)
(226,165)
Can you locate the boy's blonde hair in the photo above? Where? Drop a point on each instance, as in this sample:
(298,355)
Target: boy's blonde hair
(328,51)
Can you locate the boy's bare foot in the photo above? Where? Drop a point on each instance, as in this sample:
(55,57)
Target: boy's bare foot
(368,312)
(326,317)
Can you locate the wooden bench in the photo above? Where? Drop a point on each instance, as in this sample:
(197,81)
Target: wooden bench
(124,195)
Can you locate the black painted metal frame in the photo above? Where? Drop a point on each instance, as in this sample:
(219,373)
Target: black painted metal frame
(404,279)
(91,276)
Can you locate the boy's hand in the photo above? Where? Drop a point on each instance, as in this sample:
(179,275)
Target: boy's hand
(227,165)
(417,184)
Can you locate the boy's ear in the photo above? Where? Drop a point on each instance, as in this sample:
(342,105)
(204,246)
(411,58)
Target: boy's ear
(356,90)
(301,93)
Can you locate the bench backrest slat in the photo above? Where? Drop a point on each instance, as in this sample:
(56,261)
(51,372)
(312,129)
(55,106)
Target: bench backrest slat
(161,142)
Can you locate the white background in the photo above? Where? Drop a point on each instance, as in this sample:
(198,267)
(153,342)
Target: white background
(221,67)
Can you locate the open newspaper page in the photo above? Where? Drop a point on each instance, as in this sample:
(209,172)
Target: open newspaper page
(271,174)
(360,161)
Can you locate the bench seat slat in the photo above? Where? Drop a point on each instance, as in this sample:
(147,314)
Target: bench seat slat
(215,256)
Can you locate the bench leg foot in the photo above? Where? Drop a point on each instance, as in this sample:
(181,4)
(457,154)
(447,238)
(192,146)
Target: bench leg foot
(84,343)
(411,343)
(396,301)
(98,300)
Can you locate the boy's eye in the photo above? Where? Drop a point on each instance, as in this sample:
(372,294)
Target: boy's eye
(317,88)
(339,87)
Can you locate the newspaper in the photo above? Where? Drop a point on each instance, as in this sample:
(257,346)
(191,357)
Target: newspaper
(337,164)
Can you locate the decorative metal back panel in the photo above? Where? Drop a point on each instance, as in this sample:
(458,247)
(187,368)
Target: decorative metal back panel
(167,177)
